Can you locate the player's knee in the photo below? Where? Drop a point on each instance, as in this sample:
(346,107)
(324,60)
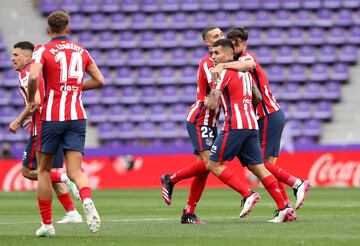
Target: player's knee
(26,173)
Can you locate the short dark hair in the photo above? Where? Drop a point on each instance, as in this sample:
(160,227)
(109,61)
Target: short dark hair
(226,43)
(58,21)
(206,30)
(238,32)
(24,45)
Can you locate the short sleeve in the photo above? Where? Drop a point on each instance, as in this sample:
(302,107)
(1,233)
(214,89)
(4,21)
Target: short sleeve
(38,56)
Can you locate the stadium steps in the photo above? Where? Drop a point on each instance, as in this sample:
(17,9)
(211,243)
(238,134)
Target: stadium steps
(345,126)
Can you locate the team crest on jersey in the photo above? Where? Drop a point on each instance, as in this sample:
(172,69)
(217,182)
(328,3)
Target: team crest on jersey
(213,150)
(209,141)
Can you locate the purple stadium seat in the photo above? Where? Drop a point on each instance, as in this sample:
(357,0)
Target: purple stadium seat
(264,55)
(191,38)
(98,57)
(190,5)
(118,21)
(15,98)
(109,95)
(199,19)
(255,37)
(5,60)
(158,113)
(277,91)
(307,54)
(230,5)
(126,130)
(291,92)
(159,21)
(69,6)
(129,6)
(169,94)
(168,129)
(78,22)
(157,57)
(271,4)
(332,91)
(262,18)
(10,78)
(197,54)
(145,76)
(109,6)
(319,72)
(311,4)
(295,127)
(304,141)
(107,130)
(282,18)
(251,5)
(285,107)
(137,113)
(302,110)
(351,4)
(150,6)
(311,128)
(353,36)
(48,6)
(311,91)
(89,6)
(168,39)
(147,130)
(128,95)
(97,114)
(332,4)
(170,5)
(221,19)
(291,4)
(107,74)
(348,53)
(167,76)
(327,54)
(274,36)
(178,57)
(285,55)
(295,36)
(303,18)
(242,18)
(336,35)
(97,22)
(138,21)
(124,76)
(4,97)
(148,39)
(275,73)
(188,75)
(179,21)
(316,36)
(344,18)
(323,110)
(106,40)
(297,73)
(149,94)
(324,18)
(87,39)
(136,58)
(178,112)
(188,93)
(114,58)
(210,5)
(340,72)
(90,97)
(128,39)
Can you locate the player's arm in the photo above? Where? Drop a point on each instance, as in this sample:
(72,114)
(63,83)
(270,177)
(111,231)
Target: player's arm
(256,95)
(242,66)
(212,101)
(96,78)
(33,85)
(16,124)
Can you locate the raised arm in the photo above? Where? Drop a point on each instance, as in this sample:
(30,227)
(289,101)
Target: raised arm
(242,66)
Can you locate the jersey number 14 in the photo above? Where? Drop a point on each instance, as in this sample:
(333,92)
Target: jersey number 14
(75,67)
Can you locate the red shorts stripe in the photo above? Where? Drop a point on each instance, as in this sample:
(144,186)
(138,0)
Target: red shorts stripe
(198,134)
(32,154)
(223,145)
(38,136)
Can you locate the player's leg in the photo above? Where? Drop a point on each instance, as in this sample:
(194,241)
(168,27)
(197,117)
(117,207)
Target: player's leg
(71,215)
(29,163)
(73,144)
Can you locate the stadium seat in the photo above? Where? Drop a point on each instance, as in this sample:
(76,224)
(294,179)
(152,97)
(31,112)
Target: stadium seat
(306,54)
(291,92)
(271,4)
(157,57)
(323,110)
(167,76)
(297,73)
(255,37)
(168,39)
(169,94)
(336,36)
(199,19)
(150,6)
(147,130)
(344,18)
(190,38)
(319,72)
(231,5)
(10,78)
(89,6)
(170,5)
(190,5)
(114,58)
(285,107)
(285,55)
(4,97)
(118,21)
(351,4)
(282,18)
(148,39)
(210,5)
(138,113)
(303,18)
(332,4)
(188,93)
(69,6)
(302,110)
(149,95)
(87,39)
(124,76)
(327,54)
(97,114)
(90,97)
(159,21)
(136,58)
(221,19)
(107,40)
(304,141)
(139,21)
(340,72)
(275,73)
(178,112)
(295,127)
(78,22)
(48,6)
(197,54)
(242,18)
(128,95)
(324,18)
(128,39)
(348,53)
(109,95)
(353,36)
(109,6)
(127,130)
(5,60)
(168,129)
(98,57)
(251,5)
(178,57)
(262,18)
(130,6)
(188,75)
(311,91)
(276,89)
(179,21)
(273,36)
(145,76)
(291,4)
(98,22)
(107,130)
(158,113)
(294,36)
(264,55)
(15,98)
(311,128)
(311,4)
(331,91)
(315,36)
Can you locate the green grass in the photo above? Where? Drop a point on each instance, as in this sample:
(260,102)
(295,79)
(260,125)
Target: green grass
(139,217)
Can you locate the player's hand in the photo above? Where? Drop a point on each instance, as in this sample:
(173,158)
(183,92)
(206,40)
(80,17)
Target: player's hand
(14,126)
(34,106)
(26,124)
(250,65)
(215,72)
(207,101)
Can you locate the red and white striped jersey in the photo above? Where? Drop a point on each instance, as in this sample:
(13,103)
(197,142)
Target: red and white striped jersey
(268,104)
(198,113)
(236,100)
(64,63)
(23,88)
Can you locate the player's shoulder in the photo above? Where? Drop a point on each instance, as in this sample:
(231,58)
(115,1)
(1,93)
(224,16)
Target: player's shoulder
(206,59)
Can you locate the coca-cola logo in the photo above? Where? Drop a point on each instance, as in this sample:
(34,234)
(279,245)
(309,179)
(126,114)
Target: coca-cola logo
(327,172)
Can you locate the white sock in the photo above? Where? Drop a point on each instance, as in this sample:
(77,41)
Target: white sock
(64,178)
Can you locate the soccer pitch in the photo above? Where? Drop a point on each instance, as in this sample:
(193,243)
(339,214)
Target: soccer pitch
(139,217)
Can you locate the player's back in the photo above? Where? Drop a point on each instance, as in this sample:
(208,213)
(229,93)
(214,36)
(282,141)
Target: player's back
(64,64)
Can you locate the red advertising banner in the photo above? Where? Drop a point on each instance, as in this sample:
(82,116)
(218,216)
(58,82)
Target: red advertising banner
(334,168)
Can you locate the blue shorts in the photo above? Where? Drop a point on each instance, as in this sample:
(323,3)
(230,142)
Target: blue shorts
(202,137)
(71,134)
(270,130)
(242,143)
(29,157)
